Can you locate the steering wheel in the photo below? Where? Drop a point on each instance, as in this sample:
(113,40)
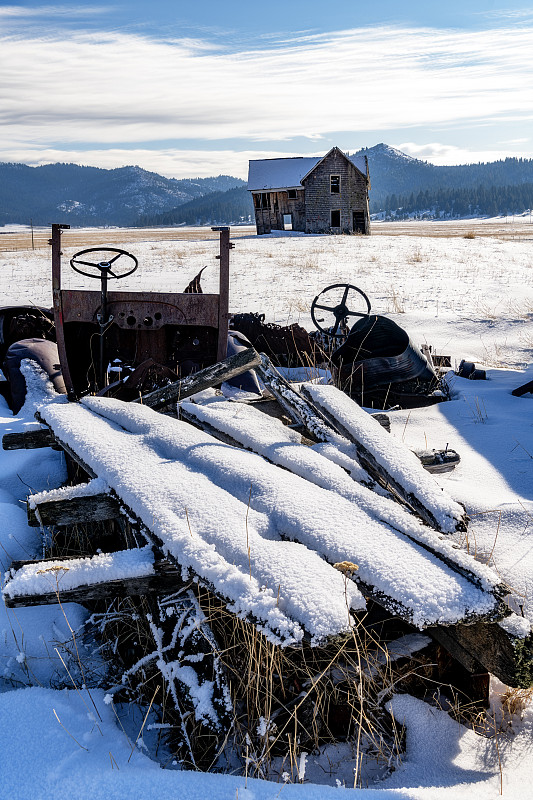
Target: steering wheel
(339,310)
(105,267)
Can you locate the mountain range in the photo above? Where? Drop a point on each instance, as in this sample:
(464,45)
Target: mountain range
(401,186)
(92,196)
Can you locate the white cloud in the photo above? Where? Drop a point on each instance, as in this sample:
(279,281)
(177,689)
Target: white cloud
(172,163)
(105,90)
(446,154)
(51,11)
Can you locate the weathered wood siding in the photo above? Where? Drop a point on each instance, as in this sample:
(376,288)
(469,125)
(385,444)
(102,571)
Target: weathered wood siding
(320,201)
(279,203)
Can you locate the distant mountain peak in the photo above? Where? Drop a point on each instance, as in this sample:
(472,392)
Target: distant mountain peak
(388,151)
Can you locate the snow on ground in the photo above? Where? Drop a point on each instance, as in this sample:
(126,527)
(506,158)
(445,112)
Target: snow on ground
(469,298)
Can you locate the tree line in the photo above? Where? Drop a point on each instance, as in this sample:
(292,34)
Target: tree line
(454,203)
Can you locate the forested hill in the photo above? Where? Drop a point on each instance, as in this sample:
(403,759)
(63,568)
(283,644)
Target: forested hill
(409,186)
(218,208)
(78,195)
(479,201)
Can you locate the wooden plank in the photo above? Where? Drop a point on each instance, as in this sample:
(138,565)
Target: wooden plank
(526,388)
(321,427)
(385,479)
(479,646)
(205,379)
(29,440)
(299,409)
(167,578)
(75,510)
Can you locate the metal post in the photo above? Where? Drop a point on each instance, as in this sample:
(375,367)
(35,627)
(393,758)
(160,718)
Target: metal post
(55,241)
(103,322)
(223,301)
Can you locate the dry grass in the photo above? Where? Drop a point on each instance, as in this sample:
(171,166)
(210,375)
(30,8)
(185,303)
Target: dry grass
(416,257)
(293,700)
(396,303)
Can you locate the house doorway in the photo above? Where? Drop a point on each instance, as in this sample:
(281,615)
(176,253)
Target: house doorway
(287,222)
(358,222)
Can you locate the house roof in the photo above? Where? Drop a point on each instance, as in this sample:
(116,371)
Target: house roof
(269,174)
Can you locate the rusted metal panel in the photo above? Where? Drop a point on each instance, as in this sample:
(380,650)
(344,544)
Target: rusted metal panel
(137,310)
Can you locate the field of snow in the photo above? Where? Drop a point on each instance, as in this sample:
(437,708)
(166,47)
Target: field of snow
(467,297)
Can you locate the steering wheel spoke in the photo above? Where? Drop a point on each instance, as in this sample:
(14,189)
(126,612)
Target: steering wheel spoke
(102,266)
(340,310)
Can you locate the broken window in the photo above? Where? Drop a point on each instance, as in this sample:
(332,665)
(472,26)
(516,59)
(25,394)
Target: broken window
(335,184)
(262,200)
(336,218)
(291,194)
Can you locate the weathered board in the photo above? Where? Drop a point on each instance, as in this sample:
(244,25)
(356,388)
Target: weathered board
(166,579)
(93,508)
(205,379)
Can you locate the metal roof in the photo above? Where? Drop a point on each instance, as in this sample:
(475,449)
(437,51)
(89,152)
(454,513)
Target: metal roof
(269,174)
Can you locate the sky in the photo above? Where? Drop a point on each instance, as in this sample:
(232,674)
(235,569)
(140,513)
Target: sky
(191,89)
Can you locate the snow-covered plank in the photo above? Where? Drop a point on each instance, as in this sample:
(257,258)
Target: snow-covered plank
(382,454)
(163,475)
(119,574)
(262,537)
(72,505)
(28,440)
(245,425)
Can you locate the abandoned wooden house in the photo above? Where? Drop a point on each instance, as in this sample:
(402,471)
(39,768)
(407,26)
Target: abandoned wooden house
(327,194)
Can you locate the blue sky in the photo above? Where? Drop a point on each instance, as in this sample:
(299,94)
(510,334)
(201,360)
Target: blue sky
(195,89)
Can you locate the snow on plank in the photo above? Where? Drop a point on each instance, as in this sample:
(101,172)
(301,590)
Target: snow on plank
(258,534)
(250,428)
(376,445)
(160,469)
(46,579)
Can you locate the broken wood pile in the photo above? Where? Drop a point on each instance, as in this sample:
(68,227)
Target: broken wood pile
(281,573)
(297,529)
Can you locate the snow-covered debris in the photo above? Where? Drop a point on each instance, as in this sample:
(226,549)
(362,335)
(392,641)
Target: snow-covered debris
(90,489)
(281,445)
(389,453)
(213,529)
(261,536)
(62,575)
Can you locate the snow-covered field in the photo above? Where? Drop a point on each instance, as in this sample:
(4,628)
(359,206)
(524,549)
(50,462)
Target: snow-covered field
(467,297)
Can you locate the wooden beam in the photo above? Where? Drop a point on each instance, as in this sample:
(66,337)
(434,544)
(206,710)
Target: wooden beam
(489,646)
(29,440)
(75,510)
(223,291)
(526,388)
(386,479)
(300,410)
(205,379)
(167,578)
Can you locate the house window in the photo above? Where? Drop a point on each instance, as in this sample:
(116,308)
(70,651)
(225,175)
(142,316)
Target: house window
(262,200)
(336,218)
(335,184)
(291,194)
